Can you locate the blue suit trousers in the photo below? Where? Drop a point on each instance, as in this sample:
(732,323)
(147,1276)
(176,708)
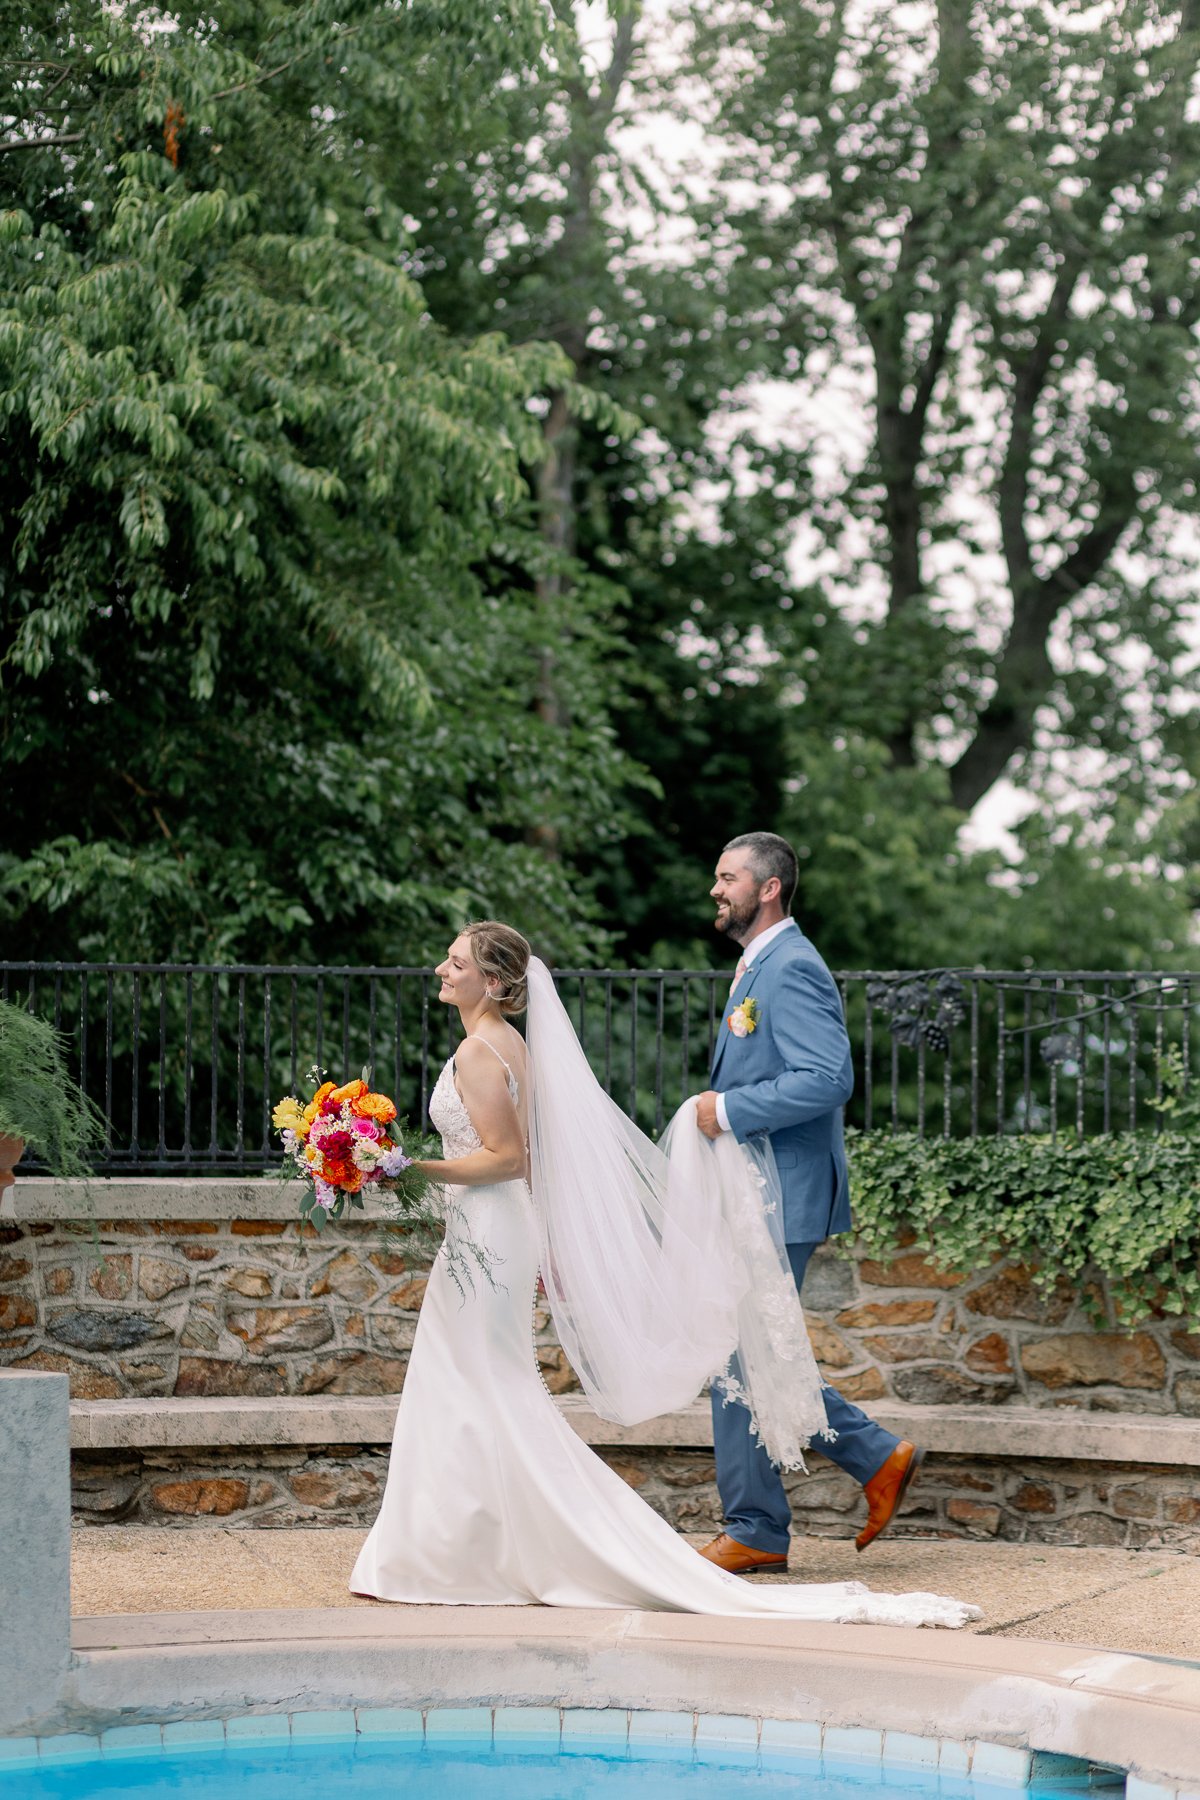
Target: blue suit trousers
(756,1508)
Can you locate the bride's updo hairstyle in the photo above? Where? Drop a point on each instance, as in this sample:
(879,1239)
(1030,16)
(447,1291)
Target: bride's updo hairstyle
(502,958)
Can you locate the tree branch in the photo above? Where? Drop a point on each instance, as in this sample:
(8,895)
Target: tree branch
(1029,380)
(254,81)
(42,143)
(1024,672)
(621,60)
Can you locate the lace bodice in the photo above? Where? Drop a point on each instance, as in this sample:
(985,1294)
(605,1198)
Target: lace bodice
(451,1118)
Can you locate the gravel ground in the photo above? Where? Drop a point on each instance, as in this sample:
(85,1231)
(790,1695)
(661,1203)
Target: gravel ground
(1146,1601)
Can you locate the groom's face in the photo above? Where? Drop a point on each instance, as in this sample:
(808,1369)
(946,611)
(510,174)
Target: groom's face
(737,894)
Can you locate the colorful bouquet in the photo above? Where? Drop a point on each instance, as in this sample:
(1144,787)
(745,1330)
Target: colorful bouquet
(346,1140)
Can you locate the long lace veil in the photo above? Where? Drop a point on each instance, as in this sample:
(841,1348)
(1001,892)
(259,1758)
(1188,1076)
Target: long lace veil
(663,1264)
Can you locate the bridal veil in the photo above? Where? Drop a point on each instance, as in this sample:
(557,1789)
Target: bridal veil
(663,1263)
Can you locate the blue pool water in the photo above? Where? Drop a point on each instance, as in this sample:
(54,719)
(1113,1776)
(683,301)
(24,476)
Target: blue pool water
(470,1769)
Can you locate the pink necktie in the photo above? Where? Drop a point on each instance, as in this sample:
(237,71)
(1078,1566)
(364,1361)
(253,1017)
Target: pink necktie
(743,965)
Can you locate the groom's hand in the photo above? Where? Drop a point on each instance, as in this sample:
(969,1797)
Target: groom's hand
(706,1115)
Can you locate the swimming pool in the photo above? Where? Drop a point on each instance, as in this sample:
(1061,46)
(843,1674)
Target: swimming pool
(254,1759)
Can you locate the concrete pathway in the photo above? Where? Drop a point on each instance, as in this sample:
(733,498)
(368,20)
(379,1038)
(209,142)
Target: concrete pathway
(1145,1601)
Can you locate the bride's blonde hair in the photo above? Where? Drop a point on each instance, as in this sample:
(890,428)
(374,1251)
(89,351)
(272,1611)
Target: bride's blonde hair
(501,956)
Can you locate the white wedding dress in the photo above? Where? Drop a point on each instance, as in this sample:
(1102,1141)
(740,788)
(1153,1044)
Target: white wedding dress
(492,1499)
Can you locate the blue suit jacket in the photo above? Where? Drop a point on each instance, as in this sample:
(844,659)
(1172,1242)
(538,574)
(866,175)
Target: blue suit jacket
(790,1079)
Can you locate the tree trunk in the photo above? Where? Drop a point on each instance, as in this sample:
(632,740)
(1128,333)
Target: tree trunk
(591,112)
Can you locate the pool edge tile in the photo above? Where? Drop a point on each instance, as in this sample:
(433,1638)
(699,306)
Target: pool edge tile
(662,1727)
(857,1743)
(324,1722)
(120,1738)
(608,1722)
(1138,1789)
(912,1749)
(1001,1762)
(182,1732)
(727,1728)
(402,1721)
(18,1750)
(458,1721)
(791,1734)
(246,1728)
(68,1746)
(954,1756)
(528,1721)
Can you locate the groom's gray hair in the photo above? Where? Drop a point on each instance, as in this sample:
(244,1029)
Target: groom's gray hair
(770,855)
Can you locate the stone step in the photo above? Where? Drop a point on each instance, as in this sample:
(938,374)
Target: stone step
(1008,1431)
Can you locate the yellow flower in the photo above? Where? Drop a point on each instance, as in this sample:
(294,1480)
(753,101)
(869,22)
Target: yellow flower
(290,1116)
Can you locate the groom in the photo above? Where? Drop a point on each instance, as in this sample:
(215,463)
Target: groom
(782,1068)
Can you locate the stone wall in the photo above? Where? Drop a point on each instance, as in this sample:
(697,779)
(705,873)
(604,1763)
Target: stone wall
(1006,1499)
(241,1307)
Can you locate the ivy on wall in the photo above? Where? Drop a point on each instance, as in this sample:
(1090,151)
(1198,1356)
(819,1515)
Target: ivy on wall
(1118,1216)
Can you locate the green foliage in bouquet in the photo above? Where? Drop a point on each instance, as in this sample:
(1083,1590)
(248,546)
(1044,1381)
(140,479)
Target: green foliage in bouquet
(39,1101)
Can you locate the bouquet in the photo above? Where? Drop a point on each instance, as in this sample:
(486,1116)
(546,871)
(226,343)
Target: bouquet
(345,1141)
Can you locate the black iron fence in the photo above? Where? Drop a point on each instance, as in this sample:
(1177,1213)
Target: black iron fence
(187,1061)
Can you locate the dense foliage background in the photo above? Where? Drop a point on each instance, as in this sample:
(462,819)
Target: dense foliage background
(403,475)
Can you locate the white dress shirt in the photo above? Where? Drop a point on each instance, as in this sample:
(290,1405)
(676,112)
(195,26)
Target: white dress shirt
(749,952)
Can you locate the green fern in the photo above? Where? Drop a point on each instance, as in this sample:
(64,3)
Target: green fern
(38,1099)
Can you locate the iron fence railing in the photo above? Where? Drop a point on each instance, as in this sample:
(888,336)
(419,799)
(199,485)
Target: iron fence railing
(186,1061)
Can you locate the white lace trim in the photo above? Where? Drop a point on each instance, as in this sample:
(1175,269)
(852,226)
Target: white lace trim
(774,1374)
(450,1116)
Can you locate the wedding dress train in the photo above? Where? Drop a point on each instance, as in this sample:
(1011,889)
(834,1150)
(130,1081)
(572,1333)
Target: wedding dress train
(492,1499)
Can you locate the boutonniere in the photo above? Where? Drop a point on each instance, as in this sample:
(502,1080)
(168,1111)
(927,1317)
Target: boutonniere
(744,1018)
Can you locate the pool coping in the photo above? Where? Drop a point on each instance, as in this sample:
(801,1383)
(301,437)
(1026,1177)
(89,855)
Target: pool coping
(862,1684)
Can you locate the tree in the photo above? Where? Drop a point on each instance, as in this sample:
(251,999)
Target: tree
(544,220)
(989,214)
(267,543)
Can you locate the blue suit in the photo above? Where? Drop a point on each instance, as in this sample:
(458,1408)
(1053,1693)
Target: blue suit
(788,1079)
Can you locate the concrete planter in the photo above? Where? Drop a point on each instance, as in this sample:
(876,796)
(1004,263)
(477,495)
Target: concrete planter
(11,1151)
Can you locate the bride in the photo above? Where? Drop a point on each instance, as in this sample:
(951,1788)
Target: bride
(662,1270)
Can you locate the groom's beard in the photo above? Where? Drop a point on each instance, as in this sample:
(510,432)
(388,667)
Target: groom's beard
(739,921)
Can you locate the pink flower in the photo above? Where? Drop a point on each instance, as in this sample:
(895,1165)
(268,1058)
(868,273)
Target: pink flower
(366,1128)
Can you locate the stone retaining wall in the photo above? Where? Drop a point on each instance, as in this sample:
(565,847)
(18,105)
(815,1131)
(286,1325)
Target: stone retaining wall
(240,1307)
(1007,1499)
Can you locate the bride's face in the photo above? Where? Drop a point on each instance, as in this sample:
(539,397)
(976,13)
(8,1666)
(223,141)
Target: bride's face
(462,984)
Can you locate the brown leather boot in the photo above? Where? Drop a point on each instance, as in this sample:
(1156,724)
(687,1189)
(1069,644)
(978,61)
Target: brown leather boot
(887,1489)
(740,1559)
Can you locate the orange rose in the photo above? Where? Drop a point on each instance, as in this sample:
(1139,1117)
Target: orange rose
(322,1093)
(374,1106)
(354,1179)
(336,1173)
(351,1091)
